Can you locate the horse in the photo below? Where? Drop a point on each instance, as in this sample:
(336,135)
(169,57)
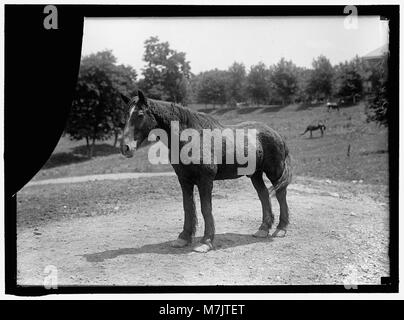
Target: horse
(332,105)
(272,158)
(313,127)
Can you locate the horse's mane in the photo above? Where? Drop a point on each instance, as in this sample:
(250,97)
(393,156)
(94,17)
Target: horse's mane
(165,112)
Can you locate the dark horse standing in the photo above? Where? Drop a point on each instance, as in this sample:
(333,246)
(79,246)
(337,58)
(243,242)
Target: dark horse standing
(313,127)
(272,158)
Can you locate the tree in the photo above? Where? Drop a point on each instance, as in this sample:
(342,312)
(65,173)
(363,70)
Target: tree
(349,79)
(97,110)
(283,77)
(193,87)
(236,83)
(378,105)
(320,84)
(167,72)
(257,83)
(303,76)
(211,87)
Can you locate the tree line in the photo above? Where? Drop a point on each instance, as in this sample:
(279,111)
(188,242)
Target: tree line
(281,83)
(98,113)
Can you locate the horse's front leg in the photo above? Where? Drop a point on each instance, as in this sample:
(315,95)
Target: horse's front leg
(190,219)
(205,193)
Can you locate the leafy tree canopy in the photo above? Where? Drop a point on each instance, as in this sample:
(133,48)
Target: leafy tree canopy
(349,79)
(167,72)
(97,110)
(212,87)
(320,83)
(258,83)
(284,79)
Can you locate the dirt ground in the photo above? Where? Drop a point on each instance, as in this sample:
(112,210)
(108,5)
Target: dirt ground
(117,232)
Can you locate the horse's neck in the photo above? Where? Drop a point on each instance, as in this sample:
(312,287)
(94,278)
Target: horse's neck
(166,114)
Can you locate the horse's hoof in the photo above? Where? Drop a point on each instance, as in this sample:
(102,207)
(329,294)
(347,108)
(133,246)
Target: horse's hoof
(203,247)
(179,243)
(279,233)
(261,234)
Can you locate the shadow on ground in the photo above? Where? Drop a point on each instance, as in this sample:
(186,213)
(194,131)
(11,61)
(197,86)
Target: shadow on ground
(79,154)
(207,110)
(272,108)
(217,110)
(367,153)
(307,136)
(222,111)
(305,106)
(222,241)
(347,105)
(247,110)
(241,110)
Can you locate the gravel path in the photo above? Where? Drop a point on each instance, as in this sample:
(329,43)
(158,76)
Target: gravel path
(100,177)
(116,230)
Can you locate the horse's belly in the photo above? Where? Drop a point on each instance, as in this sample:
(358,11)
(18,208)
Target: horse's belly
(227,172)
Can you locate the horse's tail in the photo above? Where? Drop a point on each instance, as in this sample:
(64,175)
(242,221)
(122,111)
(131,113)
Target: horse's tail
(286,177)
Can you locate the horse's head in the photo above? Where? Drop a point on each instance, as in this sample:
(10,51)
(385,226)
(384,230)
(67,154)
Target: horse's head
(322,125)
(140,121)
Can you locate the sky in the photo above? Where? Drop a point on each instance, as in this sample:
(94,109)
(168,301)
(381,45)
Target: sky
(218,42)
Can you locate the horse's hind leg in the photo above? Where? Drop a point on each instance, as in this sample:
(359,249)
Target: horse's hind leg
(267,215)
(284,215)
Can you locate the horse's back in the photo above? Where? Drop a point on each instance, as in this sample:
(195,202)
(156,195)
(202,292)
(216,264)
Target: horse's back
(264,132)
(274,149)
(270,150)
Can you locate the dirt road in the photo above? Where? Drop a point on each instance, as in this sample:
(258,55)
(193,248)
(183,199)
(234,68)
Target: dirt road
(117,232)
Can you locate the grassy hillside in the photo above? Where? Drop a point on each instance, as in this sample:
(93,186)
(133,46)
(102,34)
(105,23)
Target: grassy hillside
(317,157)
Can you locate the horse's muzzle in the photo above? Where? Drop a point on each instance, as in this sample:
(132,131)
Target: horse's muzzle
(125,150)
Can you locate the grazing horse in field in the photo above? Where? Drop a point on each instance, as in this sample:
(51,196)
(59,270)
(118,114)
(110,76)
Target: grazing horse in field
(332,105)
(313,127)
(271,157)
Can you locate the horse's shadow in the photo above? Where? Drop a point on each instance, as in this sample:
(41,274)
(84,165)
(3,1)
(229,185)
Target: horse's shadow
(222,241)
(313,137)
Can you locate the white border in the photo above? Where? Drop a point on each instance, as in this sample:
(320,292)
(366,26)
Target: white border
(191,296)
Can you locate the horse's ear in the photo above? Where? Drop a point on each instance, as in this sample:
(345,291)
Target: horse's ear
(125,98)
(142,98)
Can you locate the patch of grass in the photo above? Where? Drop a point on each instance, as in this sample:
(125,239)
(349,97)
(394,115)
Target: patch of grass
(322,157)
(78,154)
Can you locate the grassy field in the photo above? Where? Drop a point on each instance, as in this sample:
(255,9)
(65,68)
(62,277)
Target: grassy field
(324,157)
